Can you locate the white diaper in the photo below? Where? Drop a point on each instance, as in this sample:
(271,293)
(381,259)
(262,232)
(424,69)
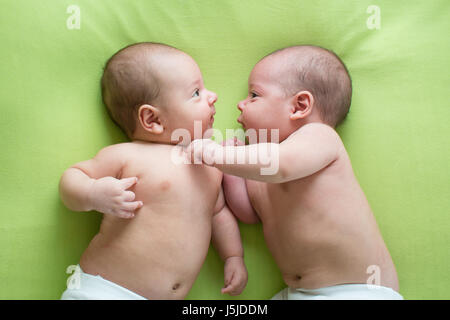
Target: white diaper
(84,286)
(340,292)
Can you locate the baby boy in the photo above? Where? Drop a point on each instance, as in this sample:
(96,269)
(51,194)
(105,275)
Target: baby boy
(159,214)
(316,220)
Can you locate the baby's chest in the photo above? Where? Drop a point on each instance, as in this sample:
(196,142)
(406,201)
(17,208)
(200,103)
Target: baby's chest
(267,198)
(167,180)
(258,195)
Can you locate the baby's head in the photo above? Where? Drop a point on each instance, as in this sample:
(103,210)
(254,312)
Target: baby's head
(151,89)
(294,86)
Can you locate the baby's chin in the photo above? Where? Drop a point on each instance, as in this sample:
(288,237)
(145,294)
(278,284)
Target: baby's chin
(196,131)
(207,127)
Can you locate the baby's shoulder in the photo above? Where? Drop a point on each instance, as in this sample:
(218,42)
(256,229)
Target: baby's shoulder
(319,133)
(117,149)
(318,127)
(119,152)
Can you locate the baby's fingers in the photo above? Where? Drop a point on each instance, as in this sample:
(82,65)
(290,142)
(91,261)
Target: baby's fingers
(238,142)
(128,182)
(128,196)
(124,214)
(131,206)
(236,285)
(226,289)
(229,142)
(233,142)
(229,286)
(232,289)
(194,151)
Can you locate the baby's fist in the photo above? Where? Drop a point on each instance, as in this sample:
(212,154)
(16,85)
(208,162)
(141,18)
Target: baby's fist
(235,276)
(109,195)
(234,142)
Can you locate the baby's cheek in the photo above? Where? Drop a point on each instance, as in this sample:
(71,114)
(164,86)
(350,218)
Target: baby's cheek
(206,125)
(257,119)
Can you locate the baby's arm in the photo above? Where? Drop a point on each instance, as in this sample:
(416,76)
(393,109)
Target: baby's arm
(235,191)
(236,196)
(308,150)
(93,185)
(227,241)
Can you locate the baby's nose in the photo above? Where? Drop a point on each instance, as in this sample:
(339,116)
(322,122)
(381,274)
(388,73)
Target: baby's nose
(212,98)
(241,105)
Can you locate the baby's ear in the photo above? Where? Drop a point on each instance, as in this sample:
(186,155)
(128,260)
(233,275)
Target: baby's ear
(148,117)
(302,105)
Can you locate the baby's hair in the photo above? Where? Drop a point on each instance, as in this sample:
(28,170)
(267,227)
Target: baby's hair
(321,72)
(130,80)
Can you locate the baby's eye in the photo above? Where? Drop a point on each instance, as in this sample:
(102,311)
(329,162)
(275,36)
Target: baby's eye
(253,95)
(196,93)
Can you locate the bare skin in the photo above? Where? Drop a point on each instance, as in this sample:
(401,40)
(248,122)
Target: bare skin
(320,228)
(159,252)
(316,219)
(156,230)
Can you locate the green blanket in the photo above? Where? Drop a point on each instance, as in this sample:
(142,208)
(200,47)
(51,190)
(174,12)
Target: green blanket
(397,131)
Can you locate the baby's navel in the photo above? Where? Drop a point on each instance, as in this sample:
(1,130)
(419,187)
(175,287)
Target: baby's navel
(175,286)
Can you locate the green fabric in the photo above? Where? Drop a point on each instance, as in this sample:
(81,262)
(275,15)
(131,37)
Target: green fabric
(396,133)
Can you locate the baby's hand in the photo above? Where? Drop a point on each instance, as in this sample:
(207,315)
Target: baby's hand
(235,276)
(203,151)
(233,142)
(108,195)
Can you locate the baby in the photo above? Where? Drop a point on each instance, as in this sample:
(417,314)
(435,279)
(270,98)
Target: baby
(316,220)
(159,214)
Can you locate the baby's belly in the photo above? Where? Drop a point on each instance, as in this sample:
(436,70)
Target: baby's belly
(155,255)
(313,257)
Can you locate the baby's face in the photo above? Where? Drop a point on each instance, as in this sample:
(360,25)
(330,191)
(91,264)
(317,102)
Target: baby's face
(186,100)
(266,106)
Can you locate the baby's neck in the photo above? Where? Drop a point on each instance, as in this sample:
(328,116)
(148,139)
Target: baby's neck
(140,140)
(151,138)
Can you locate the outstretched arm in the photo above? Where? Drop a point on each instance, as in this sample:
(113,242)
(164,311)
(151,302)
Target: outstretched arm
(227,241)
(308,150)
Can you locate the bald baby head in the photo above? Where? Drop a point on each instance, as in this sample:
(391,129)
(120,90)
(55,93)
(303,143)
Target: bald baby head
(130,79)
(319,71)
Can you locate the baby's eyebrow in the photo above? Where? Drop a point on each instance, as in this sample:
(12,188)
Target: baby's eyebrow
(195,83)
(254,86)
